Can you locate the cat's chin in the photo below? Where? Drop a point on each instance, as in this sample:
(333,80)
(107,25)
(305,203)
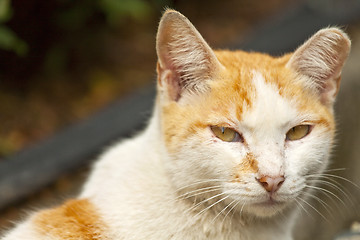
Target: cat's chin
(267,208)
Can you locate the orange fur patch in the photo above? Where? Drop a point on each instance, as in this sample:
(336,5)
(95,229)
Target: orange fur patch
(251,162)
(248,165)
(76,219)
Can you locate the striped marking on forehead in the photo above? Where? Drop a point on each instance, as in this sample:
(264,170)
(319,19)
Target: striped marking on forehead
(268,105)
(76,219)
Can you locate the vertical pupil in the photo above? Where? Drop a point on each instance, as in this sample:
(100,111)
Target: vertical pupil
(225,134)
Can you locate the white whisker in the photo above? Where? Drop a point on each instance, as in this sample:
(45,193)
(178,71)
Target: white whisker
(302,207)
(326,191)
(322,202)
(335,169)
(304,201)
(205,200)
(241,210)
(231,209)
(199,192)
(333,184)
(334,176)
(200,182)
(207,208)
(222,211)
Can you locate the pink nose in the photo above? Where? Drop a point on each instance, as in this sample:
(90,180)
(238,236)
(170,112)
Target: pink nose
(271,184)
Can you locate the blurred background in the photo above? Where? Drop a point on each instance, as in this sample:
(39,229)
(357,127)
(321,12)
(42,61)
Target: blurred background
(62,61)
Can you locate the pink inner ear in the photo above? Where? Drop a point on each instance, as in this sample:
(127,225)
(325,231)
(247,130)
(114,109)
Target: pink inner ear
(329,90)
(169,76)
(172,81)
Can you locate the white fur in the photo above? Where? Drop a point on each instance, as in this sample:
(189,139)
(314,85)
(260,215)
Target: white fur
(138,200)
(25,230)
(134,184)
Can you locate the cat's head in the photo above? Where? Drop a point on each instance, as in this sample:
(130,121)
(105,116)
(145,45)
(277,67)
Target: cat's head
(246,130)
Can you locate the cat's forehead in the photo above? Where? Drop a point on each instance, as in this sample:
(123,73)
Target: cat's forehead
(258,88)
(268,107)
(240,68)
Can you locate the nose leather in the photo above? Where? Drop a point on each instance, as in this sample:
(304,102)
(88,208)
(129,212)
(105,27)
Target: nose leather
(271,184)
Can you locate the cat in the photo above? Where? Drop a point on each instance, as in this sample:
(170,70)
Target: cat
(229,153)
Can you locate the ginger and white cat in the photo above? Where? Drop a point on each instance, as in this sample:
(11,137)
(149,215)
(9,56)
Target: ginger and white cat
(227,154)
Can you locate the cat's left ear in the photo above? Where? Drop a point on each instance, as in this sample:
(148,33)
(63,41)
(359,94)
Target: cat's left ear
(321,59)
(185,61)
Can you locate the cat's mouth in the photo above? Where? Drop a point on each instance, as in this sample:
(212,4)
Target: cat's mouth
(268,207)
(270,203)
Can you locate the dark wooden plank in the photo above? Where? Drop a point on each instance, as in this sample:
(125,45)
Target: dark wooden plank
(284,32)
(41,164)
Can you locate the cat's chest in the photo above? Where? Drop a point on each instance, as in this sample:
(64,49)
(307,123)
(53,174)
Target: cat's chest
(232,230)
(172,222)
(236,231)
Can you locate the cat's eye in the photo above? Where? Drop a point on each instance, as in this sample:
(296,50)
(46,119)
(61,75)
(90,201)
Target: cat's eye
(226,134)
(298,132)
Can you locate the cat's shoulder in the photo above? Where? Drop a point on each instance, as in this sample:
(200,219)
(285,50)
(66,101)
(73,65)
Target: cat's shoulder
(75,219)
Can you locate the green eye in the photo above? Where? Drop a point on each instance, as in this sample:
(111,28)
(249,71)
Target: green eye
(298,132)
(225,134)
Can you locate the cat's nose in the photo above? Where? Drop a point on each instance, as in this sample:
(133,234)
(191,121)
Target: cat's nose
(271,184)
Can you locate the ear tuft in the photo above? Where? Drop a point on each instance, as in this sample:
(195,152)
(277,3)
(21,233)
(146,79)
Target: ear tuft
(321,59)
(185,60)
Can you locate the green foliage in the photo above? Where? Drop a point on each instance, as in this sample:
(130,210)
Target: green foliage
(116,10)
(76,14)
(80,12)
(5,10)
(8,39)
(75,17)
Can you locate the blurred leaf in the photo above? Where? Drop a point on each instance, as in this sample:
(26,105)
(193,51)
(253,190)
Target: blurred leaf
(117,10)
(76,16)
(164,3)
(9,41)
(55,60)
(5,10)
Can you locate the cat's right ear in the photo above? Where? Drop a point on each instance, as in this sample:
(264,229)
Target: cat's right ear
(321,59)
(185,61)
